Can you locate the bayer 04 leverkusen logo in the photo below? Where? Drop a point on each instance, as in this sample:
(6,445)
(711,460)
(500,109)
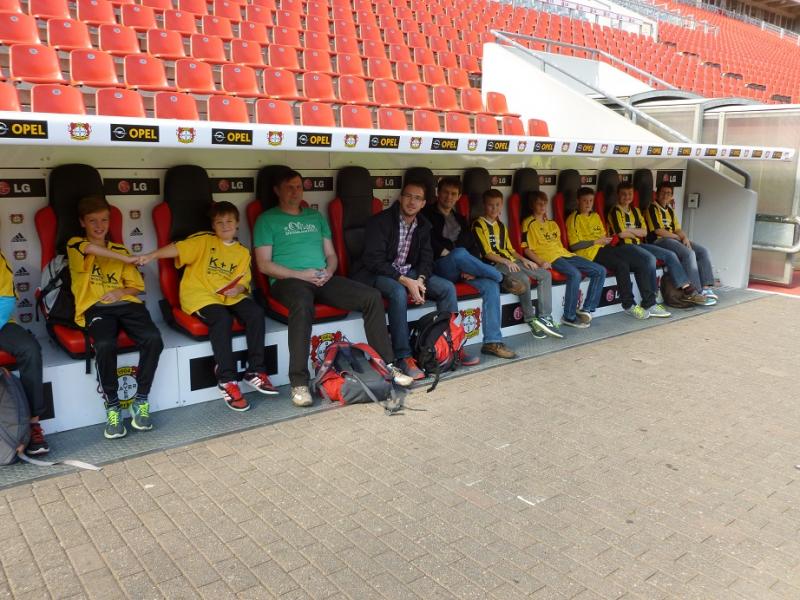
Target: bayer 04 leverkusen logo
(471,320)
(127,384)
(320,343)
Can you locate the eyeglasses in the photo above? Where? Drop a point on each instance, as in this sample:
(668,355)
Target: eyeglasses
(414,197)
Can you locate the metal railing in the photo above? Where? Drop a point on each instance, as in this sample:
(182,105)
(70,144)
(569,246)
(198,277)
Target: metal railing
(633,112)
(760,23)
(653,11)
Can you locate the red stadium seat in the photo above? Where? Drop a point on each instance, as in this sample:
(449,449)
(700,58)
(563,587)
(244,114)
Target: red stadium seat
(240,80)
(353,90)
(93,68)
(279,83)
(118,40)
(10,6)
(315,40)
(55,98)
(399,52)
(391,118)
(317,114)
(284,57)
(346,44)
(158,6)
(8,97)
(217,26)
(469,63)
(378,68)
(287,36)
(253,32)
(386,93)
(228,10)
(48,9)
(416,95)
(318,87)
(457,78)
(194,77)
(169,105)
(512,126)
(344,27)
(196,7)
(165,44)
(496,103)
(96,12)
(227,108)
(258,14)
(407,71)
(433,75)
(356,117)
(318,23)
(140,18)
(538,127)
(146,73)
(455,122)
(287,18)
(349,64)
(247,53)
(486,124)
(208,48)
(318,61)
(471,101)
(34,63)
(119,103)
(180,21)
(274,112)
(423,56)
(425,120)
(18,29)
(444,99)
(67,34)
(374,49)
(447,60)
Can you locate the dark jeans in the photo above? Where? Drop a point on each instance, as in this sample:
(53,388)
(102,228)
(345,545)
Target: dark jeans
(299,297)
(219,318)
(574,268)
(23,346)
(624,259)
(104,323)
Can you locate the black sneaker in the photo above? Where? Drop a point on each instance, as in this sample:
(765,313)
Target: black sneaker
(37,445)
(140,415)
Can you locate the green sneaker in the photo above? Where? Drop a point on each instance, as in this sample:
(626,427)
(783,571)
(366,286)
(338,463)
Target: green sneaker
(140,416)
(537,330)
(115,428)
(637,312)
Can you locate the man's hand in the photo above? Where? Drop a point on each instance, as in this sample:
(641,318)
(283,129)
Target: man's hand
(112,296)
(685,241)
(235,291)
(416,289)
(512,266)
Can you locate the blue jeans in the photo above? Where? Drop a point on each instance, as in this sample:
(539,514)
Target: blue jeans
(487,282)
(574,268)
(671,263)
(696,261)
(437,288)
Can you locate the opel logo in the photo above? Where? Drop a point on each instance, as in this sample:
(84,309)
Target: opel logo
(119,132)
(303,139)
(219,136)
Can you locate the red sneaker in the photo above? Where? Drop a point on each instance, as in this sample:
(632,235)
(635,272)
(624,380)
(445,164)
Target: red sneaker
(37,445)
(260,382)
(233,396)
(409,367)
(467,359)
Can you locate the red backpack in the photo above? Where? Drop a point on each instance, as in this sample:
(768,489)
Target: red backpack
(355,373)
(436,342)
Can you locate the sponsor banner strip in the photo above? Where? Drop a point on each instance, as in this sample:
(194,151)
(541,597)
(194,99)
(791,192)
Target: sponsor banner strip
(112,131)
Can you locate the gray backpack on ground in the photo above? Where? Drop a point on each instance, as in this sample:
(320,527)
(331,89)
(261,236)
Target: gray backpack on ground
(15,416)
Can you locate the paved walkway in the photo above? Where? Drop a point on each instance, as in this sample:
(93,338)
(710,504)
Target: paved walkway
(659,464)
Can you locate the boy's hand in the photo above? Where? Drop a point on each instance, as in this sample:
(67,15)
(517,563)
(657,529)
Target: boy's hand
(546,265)
(143,259)
(512,266)
(603,241)
(529,264)
(467,277)
(685,241)
(235,291)
(112,296)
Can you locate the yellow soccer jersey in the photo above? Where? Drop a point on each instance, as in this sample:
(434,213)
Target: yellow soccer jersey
(6,278)
(544,238)
(94,276)
(585,228)
(618,221)
(210,265)
(492,238)
(661,218)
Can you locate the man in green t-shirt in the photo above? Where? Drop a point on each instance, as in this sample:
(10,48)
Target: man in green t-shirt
(294,249)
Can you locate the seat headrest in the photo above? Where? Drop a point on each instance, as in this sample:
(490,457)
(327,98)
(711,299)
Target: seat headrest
(643,183)
(525,183)
(425,176)
(607,182)
(67,185)
(265,181)
(569,180)
(476,181)
(187,192)
(354,189)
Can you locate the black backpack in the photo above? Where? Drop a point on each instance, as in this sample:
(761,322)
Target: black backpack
(56,301)
(436,342)
(15,416)
(353,374)
(672,296)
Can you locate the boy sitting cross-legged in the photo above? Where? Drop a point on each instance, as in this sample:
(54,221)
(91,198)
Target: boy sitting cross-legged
(215,287)
(496,249)
(106,284)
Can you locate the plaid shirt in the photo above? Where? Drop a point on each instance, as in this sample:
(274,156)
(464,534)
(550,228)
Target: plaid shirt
(406,233)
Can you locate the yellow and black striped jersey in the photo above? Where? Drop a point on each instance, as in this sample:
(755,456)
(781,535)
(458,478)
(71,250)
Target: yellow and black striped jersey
(619,220)
(492,238)
(661,218)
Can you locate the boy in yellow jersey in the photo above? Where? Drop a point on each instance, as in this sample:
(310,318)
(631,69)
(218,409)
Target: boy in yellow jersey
(587,237)
(542,244)
(495,247)
(106,284)
(626,221)
(21,344)
(665,231)
(215,287)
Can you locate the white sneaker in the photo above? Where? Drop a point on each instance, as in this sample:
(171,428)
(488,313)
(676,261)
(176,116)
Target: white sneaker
(658,311)
(584,315)
(301,396)
(399,377)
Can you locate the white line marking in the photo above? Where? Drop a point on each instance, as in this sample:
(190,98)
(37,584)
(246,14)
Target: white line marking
(503,446)
(473,483)
(538,500)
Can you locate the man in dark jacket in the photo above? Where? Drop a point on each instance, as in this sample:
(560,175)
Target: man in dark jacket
(454,252)
(398,260)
